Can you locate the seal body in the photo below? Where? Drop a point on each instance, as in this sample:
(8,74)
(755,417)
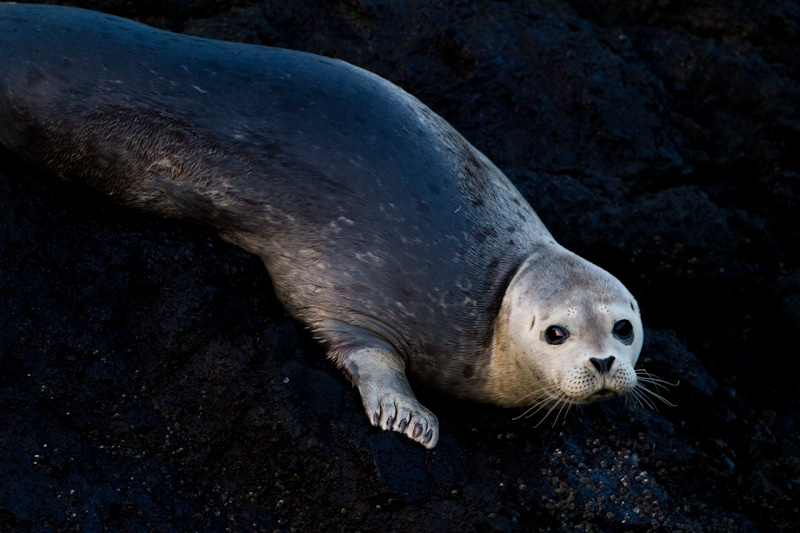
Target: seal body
(405,250)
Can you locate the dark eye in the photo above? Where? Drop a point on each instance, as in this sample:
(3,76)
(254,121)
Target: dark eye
(555,335)
(623,330)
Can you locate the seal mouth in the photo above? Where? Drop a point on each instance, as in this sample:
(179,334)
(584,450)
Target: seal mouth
(602,394)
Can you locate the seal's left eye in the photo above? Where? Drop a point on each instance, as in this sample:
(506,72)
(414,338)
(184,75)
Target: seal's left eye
(555,335)
(623,330)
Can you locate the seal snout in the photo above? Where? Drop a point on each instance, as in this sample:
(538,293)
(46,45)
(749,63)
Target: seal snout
(602,365)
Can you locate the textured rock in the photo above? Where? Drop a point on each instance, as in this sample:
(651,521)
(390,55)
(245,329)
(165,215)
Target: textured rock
(149,381)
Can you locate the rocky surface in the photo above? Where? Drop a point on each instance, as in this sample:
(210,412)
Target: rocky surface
(149,381)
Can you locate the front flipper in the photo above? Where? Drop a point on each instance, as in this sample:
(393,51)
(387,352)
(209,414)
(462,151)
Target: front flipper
(386,394)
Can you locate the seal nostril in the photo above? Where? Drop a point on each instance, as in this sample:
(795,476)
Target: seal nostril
(602,365)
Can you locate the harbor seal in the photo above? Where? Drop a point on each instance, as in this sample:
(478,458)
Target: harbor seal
(406,252)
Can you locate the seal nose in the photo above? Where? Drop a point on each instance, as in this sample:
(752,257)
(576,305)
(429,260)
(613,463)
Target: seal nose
(603,365)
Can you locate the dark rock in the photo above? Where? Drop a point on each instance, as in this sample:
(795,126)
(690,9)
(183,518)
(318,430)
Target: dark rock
(149,380)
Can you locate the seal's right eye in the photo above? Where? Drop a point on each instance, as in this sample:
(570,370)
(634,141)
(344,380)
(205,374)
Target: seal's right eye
(555,335)
(623,330)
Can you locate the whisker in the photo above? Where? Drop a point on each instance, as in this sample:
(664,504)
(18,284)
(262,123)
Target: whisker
(647,377)
(530,408)
(644,396)
(553,404)
(644,390)
(560,409)
(632,397)
(559,401)
(533,409)
(536,390)
(538,404)
(550,399)
(640,398)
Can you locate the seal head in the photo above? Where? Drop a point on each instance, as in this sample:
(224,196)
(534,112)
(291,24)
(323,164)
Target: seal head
(567,333)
